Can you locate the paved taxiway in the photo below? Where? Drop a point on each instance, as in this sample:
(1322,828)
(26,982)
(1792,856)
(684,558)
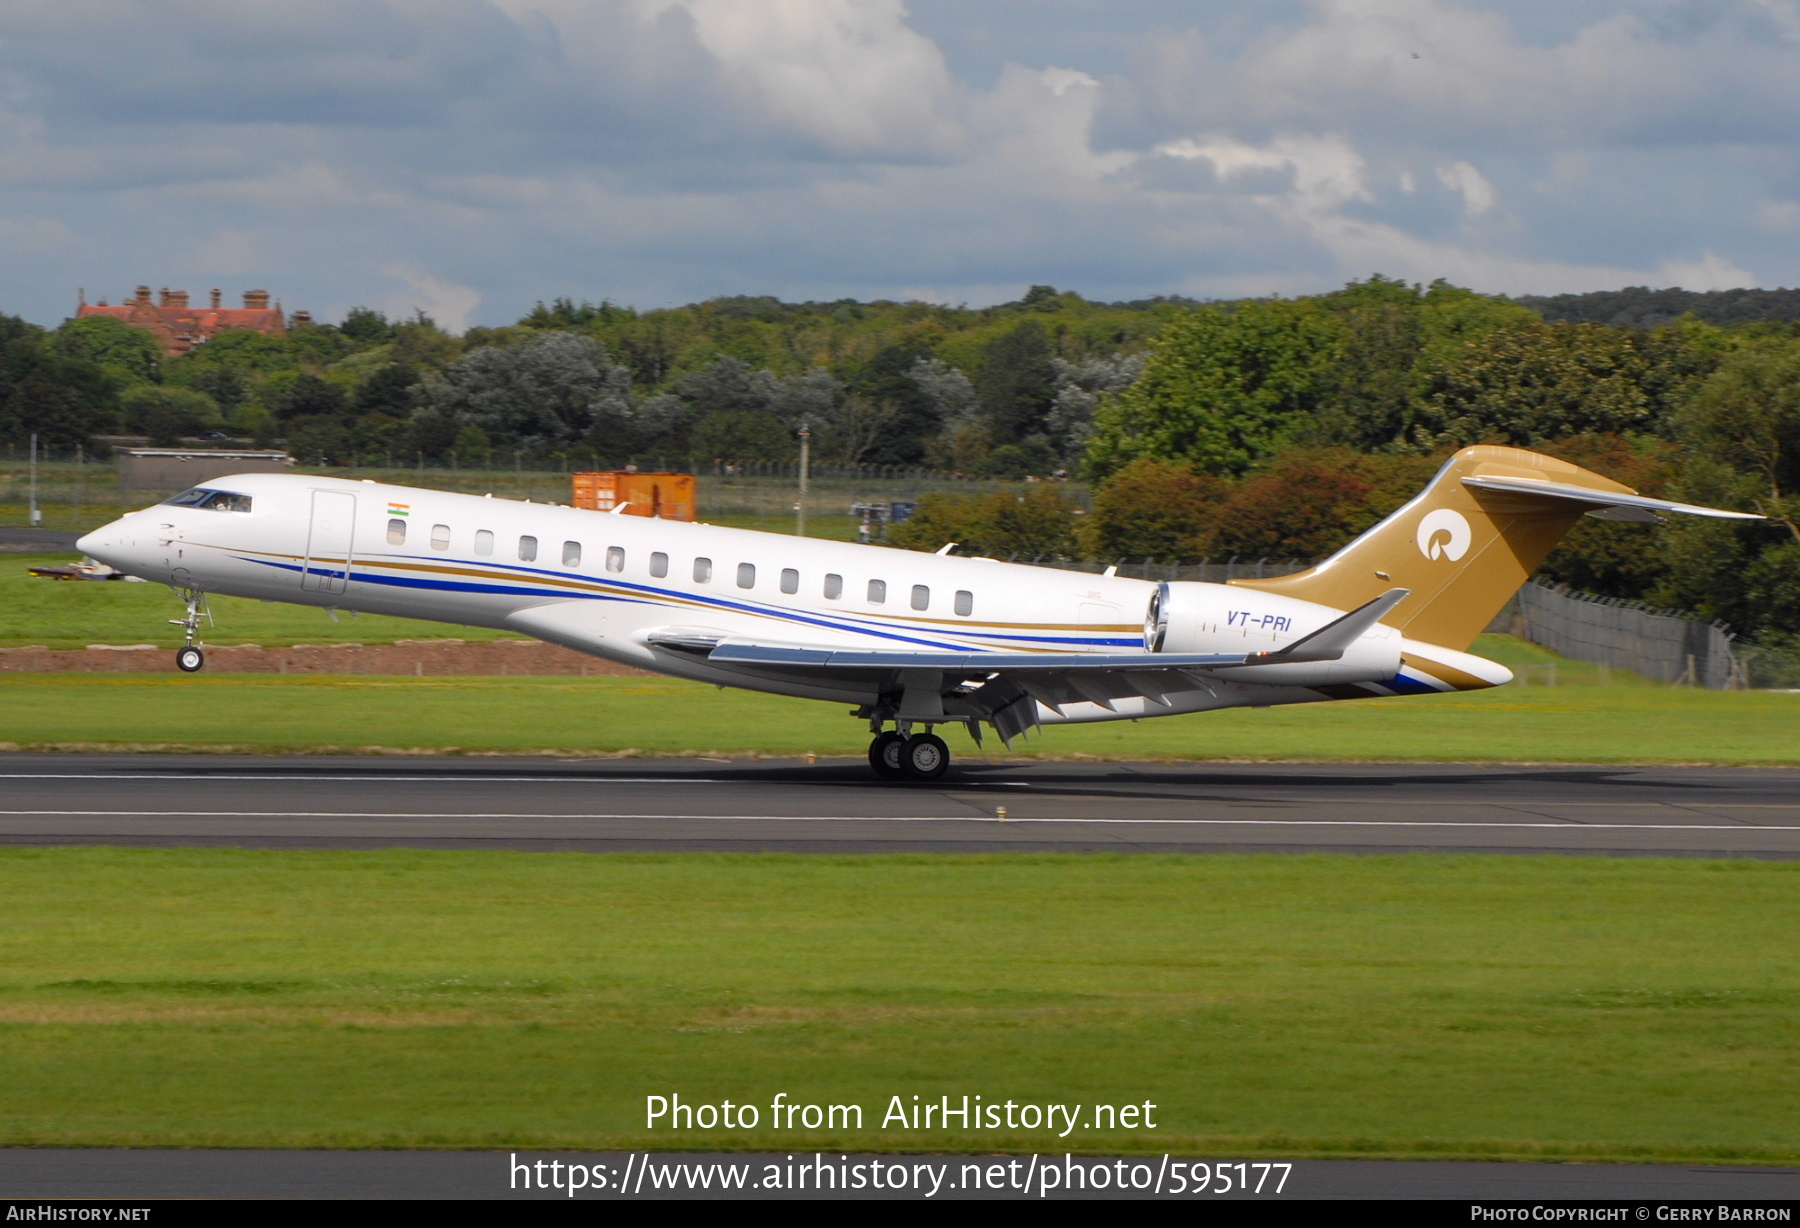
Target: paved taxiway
(836,806)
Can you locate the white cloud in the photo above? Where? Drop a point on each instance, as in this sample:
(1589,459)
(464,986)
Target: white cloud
(1327,172)
(451,305)
(1477,193)
(488,153)
(1707,273)
(849,72)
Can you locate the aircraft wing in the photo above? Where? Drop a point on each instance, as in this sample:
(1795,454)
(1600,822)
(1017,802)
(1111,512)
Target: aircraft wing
(1004,688)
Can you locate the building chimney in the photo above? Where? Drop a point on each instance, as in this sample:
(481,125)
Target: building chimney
(162,298)
(256,300)
(142,296)
(302,319)
(81,297)
(215,296)
(178,299)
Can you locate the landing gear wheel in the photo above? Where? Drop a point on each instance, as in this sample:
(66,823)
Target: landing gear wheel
(884,756)
(189,660)
(925,757)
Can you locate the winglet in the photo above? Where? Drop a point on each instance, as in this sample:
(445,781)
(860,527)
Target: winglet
(1331,641)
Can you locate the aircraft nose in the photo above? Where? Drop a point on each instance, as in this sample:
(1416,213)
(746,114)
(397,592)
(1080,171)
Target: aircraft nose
(106,544)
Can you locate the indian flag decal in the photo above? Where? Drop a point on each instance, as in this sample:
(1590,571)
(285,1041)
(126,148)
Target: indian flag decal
(399,509)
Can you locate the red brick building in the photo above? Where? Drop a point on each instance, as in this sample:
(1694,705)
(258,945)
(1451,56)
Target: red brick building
(181,327)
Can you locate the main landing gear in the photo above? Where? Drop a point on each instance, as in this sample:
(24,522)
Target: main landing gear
(904,755)
(189,658)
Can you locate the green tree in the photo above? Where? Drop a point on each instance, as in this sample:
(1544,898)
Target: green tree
(1746,416)
(367,326)
(1037,522)
(1016,383)
(246,350)
(225,385)
(313,397)
(472,444)
(129,355)
(742,435)
(1224,388)
(909,417)
(167,414)
(1310,502)
(390,389)
(64,400)
(1528,383)
(1154,509)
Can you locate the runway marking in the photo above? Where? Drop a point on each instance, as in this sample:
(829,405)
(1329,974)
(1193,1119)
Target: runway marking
(1098,790)
(840,818)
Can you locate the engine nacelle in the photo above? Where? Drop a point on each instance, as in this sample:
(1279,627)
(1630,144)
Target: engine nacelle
(1188,617)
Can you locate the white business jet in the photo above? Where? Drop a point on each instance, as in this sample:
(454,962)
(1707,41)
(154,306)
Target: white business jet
(910,640)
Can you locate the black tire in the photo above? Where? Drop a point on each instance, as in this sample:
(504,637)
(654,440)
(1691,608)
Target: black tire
(189,660)
(884,756)
(925,757)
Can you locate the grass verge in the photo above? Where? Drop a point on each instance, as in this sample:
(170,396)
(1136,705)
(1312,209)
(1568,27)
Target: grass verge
(664,716)
(1299,1005)
(74,614)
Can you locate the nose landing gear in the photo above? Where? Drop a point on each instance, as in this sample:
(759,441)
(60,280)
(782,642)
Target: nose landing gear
(903,755)
(189,658)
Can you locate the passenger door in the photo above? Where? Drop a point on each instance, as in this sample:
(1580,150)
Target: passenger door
(328,543)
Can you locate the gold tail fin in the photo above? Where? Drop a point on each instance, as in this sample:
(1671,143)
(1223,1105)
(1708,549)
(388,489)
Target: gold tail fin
(1462,550)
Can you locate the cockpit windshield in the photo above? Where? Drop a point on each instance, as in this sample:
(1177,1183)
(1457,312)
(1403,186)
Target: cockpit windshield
(212,500)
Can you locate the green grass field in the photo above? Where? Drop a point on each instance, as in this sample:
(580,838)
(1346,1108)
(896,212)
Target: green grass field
(74,614)
(1284,1006)
(664,716)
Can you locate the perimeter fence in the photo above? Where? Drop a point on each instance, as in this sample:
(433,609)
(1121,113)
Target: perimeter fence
(1660,644)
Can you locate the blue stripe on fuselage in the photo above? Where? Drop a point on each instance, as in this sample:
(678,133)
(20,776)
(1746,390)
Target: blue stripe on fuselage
(465,586)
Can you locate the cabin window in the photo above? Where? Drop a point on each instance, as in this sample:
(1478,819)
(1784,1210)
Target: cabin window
(396,532)
(877,592)
(965,602)
(571,554)
(615,558)
(440,537)
(659,564)
(702,571)
(484,542)
(921,597)
(834,587)
(790,580)
(528,550)
(746,575)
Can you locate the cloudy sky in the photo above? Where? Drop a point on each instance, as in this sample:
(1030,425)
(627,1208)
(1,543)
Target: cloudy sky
(472,156)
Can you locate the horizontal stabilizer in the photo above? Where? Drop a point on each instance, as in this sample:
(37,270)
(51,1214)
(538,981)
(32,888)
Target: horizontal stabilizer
(1607,505)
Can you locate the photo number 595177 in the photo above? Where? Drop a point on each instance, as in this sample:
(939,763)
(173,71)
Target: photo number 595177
(1199,1177)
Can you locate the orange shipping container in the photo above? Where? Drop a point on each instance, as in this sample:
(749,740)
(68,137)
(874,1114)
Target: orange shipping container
(668,495)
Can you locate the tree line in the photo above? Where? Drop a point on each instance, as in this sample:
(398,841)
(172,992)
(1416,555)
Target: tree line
(1255,428)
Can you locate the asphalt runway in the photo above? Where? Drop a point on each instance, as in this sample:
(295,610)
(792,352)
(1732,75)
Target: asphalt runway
(838,806)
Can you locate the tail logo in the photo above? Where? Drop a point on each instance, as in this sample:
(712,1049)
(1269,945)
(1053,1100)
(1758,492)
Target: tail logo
(1444,534)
